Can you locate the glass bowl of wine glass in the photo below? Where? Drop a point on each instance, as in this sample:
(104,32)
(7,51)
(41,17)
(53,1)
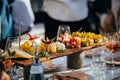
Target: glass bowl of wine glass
(12,43)
(112,46)
(63,31)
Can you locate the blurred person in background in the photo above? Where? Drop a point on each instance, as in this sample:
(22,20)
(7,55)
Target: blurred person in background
(14,13)
(98,11)
(63,12)
(110,21)
(116,12)
(22,14)
(6,28)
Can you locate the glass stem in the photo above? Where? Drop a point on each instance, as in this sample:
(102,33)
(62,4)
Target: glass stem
(113,61)
(36,53)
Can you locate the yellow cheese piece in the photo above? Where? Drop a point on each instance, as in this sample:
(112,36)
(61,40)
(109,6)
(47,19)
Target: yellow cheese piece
(19,54)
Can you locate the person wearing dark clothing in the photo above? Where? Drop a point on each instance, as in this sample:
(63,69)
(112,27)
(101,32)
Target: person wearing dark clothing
(53,24)
(96,9)
(56,12)
(6,21)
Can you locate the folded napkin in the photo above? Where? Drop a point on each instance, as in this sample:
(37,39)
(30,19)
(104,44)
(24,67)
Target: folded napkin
(48,65)
(70,76)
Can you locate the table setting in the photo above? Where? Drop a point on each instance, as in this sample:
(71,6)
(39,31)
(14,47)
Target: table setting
(95,70)
(89,69)
(77,47)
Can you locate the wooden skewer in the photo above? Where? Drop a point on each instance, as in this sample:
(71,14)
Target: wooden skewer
(19,35)
(80,29)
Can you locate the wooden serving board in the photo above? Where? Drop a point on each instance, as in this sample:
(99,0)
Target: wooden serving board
(28,62)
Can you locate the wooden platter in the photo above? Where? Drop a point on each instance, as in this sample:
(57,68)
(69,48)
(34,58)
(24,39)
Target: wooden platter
(27,62)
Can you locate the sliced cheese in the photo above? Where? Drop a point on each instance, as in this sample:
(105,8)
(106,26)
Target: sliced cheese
(19,54)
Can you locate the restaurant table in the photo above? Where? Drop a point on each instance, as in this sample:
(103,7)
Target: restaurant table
(61,67)
(73,59)
(26,63)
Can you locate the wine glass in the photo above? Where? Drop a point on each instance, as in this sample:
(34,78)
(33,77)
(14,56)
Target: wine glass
(63,30)
(112,46)
(12,44)
(63,33)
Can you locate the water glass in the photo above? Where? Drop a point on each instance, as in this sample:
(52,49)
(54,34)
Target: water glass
(98,66)
(12,43)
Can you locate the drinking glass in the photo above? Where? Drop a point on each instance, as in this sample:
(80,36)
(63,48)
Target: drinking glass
(12,43)
(63,33)
(98,65)
(63,30)
(112,46)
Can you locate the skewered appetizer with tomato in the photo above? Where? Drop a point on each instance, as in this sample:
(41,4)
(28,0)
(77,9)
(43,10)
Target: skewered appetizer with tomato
(70,42)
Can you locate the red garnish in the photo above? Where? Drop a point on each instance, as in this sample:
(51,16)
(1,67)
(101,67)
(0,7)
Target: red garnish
(32,37)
